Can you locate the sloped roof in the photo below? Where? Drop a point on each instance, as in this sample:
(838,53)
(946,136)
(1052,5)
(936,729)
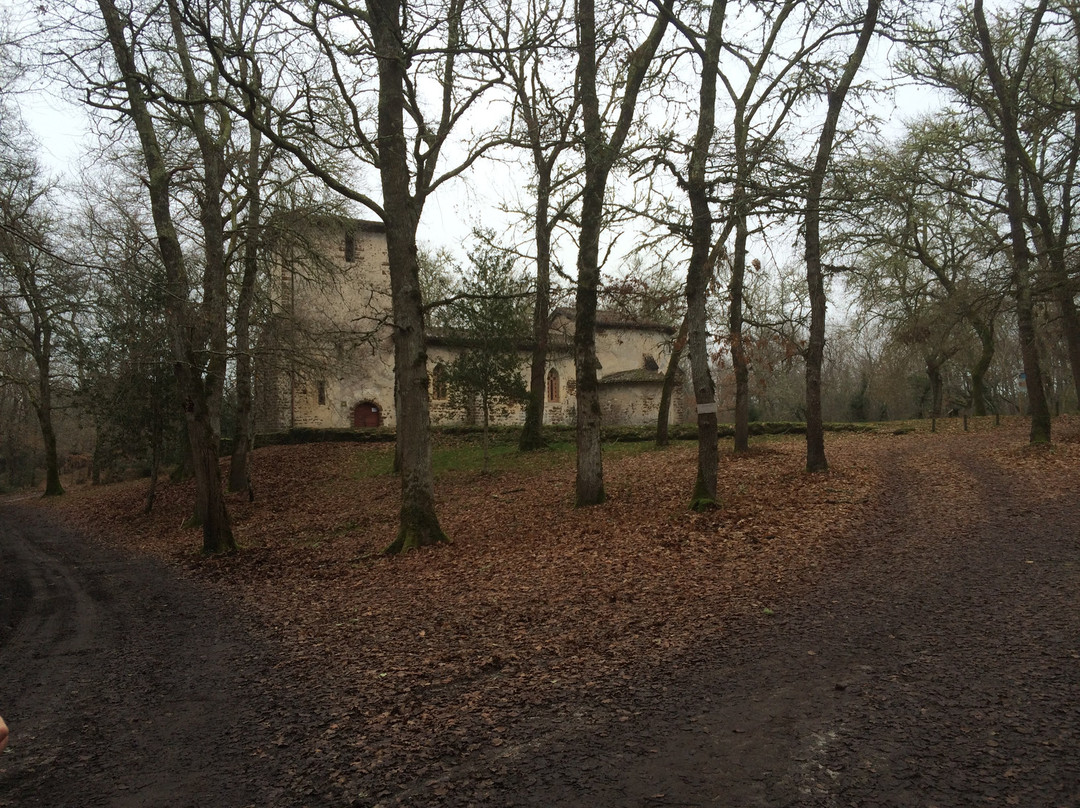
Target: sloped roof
(638,376)
(294,217)
(457,338)
(605,318)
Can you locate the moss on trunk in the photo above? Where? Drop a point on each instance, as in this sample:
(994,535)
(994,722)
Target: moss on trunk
(702,499)
(419,528)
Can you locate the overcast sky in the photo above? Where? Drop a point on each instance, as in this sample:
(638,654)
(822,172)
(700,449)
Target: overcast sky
(62,128)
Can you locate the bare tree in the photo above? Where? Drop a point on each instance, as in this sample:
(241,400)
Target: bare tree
(386,84)
(126,381)
(1008,74)
(815,276)
(195,386)
(764,88)
(1007,93)
(702,260)
(601,150)
(918,204)
(530,38)
(1050,120)
(39,293)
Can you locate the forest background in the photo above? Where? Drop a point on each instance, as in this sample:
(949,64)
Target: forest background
(734,170)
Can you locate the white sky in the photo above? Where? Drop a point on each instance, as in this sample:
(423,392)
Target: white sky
(63,130)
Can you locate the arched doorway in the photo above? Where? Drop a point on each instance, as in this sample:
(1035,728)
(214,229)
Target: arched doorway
(366,415)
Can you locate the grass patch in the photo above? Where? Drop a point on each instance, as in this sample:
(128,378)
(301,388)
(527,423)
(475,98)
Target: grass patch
(378,462)
(459,450)
(467,455)
(464,453)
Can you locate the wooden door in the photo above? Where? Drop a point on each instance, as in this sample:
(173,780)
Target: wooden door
(366,415)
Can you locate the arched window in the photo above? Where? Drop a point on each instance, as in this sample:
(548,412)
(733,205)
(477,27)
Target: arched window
(553,385)
(438,383)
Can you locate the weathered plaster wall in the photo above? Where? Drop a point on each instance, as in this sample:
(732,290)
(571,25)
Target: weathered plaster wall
(631,404)
(332,295)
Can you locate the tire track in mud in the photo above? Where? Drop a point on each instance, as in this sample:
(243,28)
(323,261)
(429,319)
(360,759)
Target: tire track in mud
(126,686)
(936,664)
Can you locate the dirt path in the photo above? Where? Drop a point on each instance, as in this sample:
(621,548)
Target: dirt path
(125,686)
(940,668)
(939,665)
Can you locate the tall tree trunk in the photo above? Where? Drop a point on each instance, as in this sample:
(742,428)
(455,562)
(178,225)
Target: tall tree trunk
(815,356)
(239,468)
(1050,250)
(44,410)
(157,438)
(600,155)
(590,466)
(704,495)
(1038,405)
(419,524)
(239,471)
(739,361)
(210,501)
(217,529)
(985,332)
(1006,91)
(1053,245)
(487,460)
(1064,293)
(748,154)
(398,407)
(700,270)
(815,278)
(671,374)
(532,432)
(937,385)
(215,294)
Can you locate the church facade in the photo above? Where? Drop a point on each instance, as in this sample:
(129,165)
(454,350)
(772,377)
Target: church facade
(326,357)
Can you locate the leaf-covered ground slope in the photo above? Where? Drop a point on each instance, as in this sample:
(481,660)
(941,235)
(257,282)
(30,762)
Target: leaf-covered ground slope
(441,654)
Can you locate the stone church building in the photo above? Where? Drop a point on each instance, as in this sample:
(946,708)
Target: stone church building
(326,359)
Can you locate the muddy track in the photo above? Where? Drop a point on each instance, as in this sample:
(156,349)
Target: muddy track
(125,686)
(938,665)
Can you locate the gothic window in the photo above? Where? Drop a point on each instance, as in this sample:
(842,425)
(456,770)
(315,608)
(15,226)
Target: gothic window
(553,385)
(438,383)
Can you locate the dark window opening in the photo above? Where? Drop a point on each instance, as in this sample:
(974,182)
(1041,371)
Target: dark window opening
(439,390)
(350,247)
(553,385)
(322,392)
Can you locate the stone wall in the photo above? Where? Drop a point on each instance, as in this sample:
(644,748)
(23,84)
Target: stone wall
(328,348)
